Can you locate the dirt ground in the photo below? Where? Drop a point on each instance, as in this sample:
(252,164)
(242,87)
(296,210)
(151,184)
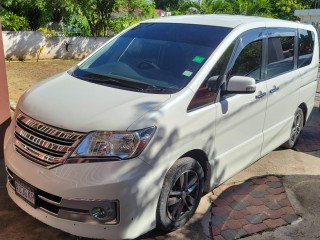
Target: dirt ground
(22,75)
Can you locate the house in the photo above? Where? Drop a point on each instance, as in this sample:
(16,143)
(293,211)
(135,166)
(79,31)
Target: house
(309,16)
(163,13)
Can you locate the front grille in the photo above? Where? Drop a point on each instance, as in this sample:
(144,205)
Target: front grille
(43,144)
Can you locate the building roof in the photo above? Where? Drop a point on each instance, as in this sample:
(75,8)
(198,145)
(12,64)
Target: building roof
(221,20)
(160,10)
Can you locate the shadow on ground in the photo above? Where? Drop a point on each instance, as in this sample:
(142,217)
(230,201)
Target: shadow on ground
(309,140)
(304,194)
(255,205)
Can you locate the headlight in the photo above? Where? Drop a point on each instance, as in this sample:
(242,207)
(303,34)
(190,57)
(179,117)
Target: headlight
(122,145)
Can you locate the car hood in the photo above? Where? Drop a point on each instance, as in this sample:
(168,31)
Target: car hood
(69,103)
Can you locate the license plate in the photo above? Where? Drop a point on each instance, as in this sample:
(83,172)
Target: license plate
(26,192)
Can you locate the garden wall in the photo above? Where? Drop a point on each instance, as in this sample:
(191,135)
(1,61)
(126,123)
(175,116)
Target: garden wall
(29,45)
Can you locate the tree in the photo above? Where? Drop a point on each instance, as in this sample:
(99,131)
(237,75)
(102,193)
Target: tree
(168,5)
(88,17)
(130,12)
(241,7)
(31,10)
(214,6)
(97,14)
(284,9)
(143,8)
(76,20)
(251,7)
(37,12)
(12,22)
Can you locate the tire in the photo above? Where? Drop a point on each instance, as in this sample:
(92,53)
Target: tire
(296,128)
(178,201)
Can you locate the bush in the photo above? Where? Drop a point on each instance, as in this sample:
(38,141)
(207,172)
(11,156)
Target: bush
(12,22)
(48,33)
(116,25)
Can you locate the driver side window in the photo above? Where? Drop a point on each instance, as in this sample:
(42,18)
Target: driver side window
(249,61)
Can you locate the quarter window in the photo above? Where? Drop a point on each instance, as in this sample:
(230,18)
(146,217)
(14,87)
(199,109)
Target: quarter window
(203,96)
(280,56)
(305,50)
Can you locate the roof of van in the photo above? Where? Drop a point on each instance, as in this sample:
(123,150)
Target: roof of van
(221,20)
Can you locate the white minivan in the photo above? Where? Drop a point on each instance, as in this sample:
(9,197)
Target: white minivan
(134,135)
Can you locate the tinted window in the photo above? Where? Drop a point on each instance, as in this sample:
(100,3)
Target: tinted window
(306,45)
(249,61)
(220,67)
(203,96)
(280,56)
(153,57)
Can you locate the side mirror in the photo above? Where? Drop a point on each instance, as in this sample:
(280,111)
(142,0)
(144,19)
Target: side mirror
(241,84)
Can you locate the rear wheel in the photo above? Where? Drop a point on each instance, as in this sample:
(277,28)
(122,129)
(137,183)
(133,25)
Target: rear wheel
(296,129)
(180,195)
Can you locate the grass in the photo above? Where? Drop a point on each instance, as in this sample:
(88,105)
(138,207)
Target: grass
(22,75)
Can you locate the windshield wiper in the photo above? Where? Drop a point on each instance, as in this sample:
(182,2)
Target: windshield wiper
(107,80)
(120,81)
(152,88)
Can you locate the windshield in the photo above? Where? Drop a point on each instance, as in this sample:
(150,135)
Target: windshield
(152,57)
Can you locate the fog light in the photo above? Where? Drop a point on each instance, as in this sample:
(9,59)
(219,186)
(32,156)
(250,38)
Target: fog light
(105,213)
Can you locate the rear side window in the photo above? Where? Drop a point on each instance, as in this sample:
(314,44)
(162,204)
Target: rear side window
(280,56)
(306,46)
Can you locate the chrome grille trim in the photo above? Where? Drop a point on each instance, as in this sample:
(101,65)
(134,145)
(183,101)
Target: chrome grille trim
(45,145)
(48,200)
(47,130)
(48,211)
(30,157)
(10,178)
(9,174)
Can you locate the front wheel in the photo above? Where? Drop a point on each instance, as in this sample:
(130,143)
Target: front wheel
(296,129)
(180,195)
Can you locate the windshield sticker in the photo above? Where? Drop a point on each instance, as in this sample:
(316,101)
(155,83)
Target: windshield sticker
(198,59)
(187,73)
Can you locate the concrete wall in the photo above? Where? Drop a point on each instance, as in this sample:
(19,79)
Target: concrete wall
(26,46)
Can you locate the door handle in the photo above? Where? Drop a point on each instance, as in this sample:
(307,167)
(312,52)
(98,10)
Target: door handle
(261,95)
(274,89)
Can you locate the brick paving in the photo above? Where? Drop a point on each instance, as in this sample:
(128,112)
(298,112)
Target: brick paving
(257,205)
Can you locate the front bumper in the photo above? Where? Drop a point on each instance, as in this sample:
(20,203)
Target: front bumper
(79,210)
(132,184)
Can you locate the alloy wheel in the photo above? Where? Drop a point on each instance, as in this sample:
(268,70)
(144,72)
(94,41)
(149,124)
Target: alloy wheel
(183,195)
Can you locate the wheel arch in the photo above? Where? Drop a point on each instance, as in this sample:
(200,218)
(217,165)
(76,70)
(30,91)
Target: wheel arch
(202,158)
